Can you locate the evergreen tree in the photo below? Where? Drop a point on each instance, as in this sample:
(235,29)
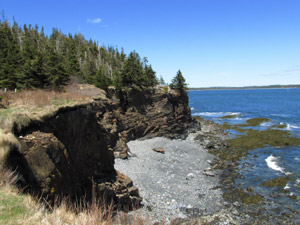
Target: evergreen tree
(30,59)
(161,81)
(150,77)
(54,69)
(178,83)
(102,81)
(9,52)
(73,66)
(132,72)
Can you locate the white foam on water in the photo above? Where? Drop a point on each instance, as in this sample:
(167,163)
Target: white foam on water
(266,124)
(272,163)
(216,114)
(287,187)
(290,127)
(297,159)
(237,118)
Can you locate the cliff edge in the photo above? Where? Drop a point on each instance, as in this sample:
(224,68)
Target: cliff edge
(70,149)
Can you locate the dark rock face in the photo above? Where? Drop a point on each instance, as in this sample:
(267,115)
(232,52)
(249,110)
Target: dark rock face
(158,115)
(72,153)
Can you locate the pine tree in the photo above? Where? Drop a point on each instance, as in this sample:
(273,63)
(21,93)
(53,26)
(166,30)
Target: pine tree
(54,69)
(161,81)
(178,83)
(131,75)
(150,77)
(101,80)
(73,67)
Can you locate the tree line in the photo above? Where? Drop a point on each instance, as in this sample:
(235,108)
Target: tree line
(31,59)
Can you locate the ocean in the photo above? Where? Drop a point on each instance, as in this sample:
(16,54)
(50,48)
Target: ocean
(282,107)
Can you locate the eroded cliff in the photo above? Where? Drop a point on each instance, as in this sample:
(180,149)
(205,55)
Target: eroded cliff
(71,152)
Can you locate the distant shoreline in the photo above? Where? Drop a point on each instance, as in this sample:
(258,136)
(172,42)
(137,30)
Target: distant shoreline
(247,87)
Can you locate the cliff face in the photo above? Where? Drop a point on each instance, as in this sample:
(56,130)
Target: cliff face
(71,153)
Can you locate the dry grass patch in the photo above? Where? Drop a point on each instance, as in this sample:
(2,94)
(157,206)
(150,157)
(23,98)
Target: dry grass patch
(26,105)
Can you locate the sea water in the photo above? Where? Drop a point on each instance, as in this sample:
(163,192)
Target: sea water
(281,106)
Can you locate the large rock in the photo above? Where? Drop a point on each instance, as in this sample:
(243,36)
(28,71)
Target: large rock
(158,114)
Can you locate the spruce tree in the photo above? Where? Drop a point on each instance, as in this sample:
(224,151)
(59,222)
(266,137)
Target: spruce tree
(178,83)
(101,80)
(132,71)
(150,77)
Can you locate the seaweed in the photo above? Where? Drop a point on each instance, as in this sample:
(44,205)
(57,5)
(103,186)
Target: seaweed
(228,116)
(279,182)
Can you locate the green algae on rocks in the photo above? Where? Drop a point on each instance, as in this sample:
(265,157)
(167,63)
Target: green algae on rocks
(245,197)
(251,139)
(228,116)
(279,182)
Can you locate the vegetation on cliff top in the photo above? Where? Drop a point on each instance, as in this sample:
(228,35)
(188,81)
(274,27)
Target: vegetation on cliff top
(30,59)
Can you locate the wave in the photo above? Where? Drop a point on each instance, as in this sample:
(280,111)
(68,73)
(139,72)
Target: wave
(192,108)
(287,187)
(290,127)
(216,114)
(266,124)
(280,115)
(298,159)
(272,163)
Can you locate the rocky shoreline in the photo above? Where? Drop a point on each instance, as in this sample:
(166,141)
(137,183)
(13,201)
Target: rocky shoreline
(70,151)
(174,184)
(190,184)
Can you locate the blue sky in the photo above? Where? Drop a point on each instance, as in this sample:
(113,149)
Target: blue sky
(213,42)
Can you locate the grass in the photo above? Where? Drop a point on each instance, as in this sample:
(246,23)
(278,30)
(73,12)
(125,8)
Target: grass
(17,208)
(26,105)
(12,208)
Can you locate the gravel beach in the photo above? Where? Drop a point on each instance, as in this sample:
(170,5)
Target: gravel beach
(175,184)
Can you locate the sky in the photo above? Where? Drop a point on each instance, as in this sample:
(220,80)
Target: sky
(213,42)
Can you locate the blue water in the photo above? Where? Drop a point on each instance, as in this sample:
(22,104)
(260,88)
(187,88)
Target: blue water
(281,106)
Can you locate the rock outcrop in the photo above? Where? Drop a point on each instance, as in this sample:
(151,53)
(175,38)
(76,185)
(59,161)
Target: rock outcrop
(71,153)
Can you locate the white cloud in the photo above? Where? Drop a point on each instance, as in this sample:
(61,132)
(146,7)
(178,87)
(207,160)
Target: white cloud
(97,20)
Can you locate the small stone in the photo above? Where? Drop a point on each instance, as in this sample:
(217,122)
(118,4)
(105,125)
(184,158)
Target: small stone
(190,176)
(159,150)
(236,204)
(209,173)
(235,212)
(209,162)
